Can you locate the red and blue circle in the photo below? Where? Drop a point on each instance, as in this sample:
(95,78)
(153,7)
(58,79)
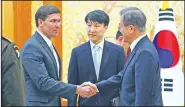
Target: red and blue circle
(167,46)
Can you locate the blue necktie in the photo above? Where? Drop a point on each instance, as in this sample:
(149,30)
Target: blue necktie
(96,59)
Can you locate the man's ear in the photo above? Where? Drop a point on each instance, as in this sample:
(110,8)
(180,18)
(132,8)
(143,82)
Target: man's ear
(131,28)
(106,27)
(120,38)
(40,22)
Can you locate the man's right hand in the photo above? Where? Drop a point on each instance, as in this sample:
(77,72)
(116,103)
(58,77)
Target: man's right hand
(91,85)
(85,90)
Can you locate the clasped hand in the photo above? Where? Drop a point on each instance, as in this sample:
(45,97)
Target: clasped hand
(87,89)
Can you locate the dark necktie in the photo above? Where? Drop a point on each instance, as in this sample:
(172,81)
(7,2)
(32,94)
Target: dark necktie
(128,53)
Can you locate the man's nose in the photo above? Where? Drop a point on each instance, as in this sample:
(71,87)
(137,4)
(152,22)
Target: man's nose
(92,29)
(58,24)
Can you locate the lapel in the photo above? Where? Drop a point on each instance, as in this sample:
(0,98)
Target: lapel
(48,50)
(133,53)
(88,57)
(105,58)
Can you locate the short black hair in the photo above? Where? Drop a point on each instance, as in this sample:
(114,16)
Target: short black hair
(44,11)
(118,34)
(98,16)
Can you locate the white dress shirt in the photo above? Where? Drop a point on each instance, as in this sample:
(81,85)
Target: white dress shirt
(134,43)
(100,52)
(49,43)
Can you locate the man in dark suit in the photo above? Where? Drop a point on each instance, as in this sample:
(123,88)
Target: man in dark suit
(42,64)
(95,65)
(139,81)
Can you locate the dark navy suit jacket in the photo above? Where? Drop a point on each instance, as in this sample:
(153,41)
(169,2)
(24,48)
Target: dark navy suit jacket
(139,81)
(43,86)
(81,69)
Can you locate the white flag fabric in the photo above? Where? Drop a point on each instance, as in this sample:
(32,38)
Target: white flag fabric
(165,41)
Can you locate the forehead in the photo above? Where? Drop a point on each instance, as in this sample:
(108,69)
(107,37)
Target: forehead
(93,22)
(54,16)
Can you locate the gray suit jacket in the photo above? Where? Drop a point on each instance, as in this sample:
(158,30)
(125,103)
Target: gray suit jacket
(43,86)
(139,81)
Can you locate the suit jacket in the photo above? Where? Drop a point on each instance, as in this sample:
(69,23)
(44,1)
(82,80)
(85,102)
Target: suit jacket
(139,81)
(81,69)
(43,86)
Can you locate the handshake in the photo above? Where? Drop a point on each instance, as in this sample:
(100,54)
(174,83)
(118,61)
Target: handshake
(87,89)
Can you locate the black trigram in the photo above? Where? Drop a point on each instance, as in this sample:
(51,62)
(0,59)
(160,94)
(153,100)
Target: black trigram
(166,15)
(167,85)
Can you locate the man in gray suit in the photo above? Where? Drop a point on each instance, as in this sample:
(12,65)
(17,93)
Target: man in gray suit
(42,64)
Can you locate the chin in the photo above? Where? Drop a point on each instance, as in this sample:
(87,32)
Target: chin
(55,35)
(93,40)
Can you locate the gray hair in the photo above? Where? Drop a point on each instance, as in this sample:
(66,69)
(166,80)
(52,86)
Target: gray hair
(44,11)
(134,16)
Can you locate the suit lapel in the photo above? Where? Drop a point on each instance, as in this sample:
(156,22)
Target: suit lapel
(60,67)
(48,50)
(133,53)
(105,58)
(128,61)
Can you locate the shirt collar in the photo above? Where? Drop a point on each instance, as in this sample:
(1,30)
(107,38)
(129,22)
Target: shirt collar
(47,40)
(134,43)
(101,44)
